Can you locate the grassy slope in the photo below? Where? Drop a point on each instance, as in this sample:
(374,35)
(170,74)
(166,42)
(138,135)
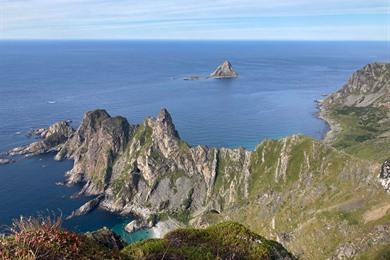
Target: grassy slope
(365,131)
(318,203)
(223,241)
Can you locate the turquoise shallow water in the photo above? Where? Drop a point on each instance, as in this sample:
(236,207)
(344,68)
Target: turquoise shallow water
(45,81)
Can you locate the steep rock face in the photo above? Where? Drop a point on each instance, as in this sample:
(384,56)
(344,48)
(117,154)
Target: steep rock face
(369,86)
(384,176)
(225,70)
(93,147)
(158,172)
(52,140)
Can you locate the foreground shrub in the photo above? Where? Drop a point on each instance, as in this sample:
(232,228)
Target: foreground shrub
(43,238)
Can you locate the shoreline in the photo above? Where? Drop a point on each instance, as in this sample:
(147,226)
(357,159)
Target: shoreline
(333,128)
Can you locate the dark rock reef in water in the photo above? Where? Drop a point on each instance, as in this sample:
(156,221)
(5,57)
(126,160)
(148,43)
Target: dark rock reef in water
(225,70)
(296,190)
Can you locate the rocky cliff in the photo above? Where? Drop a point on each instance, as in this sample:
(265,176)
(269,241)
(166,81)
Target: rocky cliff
(52,140)
(316,200)
(296,190)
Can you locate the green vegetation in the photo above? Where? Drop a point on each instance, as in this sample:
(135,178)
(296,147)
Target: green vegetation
(43,238)
(365,131)
(227,240)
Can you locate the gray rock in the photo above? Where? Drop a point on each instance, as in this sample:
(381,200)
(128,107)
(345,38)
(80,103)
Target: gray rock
(86,208)
(5,161)
(384,176)
(225,70)
(136,225)
(52,140)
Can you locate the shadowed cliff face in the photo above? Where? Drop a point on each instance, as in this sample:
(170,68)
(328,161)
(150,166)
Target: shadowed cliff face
(94,147)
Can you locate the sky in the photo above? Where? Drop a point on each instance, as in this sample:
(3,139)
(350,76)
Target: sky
(196,19)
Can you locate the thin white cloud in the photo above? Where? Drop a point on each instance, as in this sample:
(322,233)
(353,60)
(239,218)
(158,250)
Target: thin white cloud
(95,18)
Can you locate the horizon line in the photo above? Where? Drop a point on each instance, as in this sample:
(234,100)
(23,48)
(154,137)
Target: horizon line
(197,40)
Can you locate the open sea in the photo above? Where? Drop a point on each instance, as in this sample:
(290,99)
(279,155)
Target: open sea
(42,82)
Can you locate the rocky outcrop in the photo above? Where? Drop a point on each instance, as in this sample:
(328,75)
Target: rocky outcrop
(53,139)
(369,86)
(86,208)
(225,70)
(94,147)
(5,161)
(164,227)
(137,224)
(384,176)
(105,237)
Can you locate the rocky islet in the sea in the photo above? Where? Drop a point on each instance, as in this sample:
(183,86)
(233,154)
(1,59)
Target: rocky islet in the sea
(225,70)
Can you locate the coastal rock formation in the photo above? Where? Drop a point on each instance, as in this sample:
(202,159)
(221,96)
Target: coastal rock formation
(304,193)
(147,170)
(52,140)
(93,147)
(86,208)
(225,70)
(137,224)
(369,86)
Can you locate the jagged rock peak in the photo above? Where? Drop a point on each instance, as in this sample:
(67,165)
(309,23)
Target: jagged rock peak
(164,119)
(94,118)
(225,70)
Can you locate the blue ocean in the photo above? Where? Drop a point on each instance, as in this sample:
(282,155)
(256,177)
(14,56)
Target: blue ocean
(42,82)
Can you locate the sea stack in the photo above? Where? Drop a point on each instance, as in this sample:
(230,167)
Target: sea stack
(225,70)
